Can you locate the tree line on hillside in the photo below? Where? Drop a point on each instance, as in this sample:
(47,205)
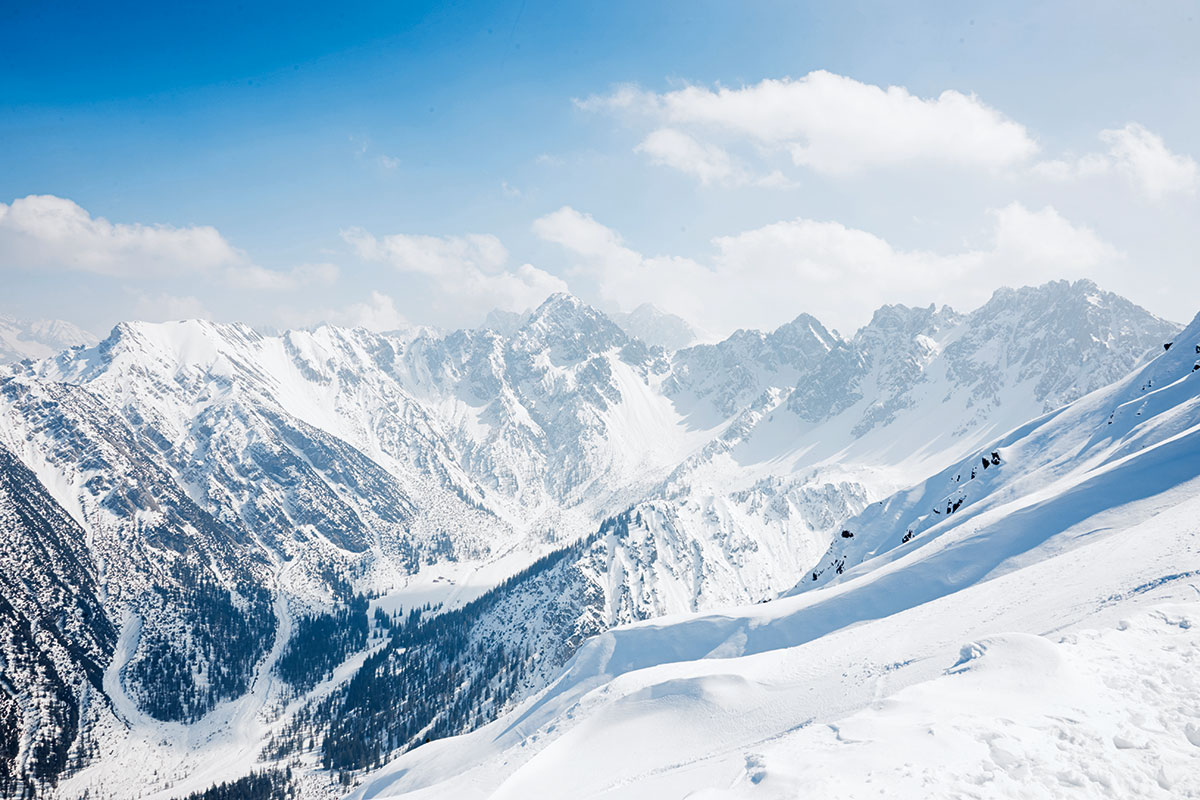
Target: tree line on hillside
(432,679)
(322,641)
(271,784)
(181,680)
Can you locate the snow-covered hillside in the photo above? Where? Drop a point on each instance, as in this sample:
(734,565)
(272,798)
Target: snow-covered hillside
(263,517)
(1039,640)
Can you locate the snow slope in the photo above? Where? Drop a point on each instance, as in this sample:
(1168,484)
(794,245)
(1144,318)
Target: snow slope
(1040,641)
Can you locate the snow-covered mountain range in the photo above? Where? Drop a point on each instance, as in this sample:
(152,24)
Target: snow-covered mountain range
(228,551)
(1026,628)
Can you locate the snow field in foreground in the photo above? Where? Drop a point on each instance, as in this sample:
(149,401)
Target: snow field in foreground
(1113,712)
(1070,675)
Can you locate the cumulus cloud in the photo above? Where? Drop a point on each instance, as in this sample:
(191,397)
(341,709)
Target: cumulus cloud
(677,149)
(435,256)
(1046,238)
(45,232)
(835,125)
(1138,155)
(468,275)
(48,232)
(377,313)
(1144,159)
(765,276)
(826,122)
(583,235)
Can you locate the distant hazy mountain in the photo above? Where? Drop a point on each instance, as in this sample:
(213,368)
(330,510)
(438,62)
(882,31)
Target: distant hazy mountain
(38,339)
(221,499)
(656,327)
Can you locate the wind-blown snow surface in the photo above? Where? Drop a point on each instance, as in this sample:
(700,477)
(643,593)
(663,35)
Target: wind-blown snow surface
(1039,641)
(231,485)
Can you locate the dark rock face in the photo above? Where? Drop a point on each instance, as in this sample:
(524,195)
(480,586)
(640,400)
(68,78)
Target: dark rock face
(56,637)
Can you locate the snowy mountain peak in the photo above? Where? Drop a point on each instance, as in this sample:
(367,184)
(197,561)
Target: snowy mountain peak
(993,625)
(194,344)
(1075,302)
(1066,338)
(906,321)
(802,336)
(559,302)
(570,329)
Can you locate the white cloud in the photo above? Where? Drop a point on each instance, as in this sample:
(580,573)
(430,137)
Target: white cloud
(468,275)
(163,307)
(1138,155)
(1144,159)
(765,276)
(377,314)
(677,149)
(1064,169)
(48,232)
(1046,238)
(433,256)
(430,255)
(44,232)
(830,123)
(581,234)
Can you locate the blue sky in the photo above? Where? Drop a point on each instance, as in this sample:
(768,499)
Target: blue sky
(290,163)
